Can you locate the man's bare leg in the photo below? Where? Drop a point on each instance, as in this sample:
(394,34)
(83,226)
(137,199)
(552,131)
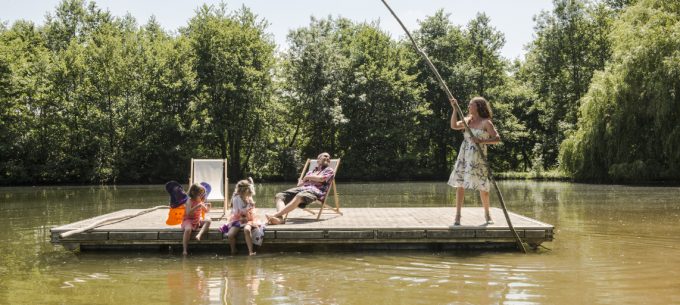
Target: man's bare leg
(280,205)
(276,219)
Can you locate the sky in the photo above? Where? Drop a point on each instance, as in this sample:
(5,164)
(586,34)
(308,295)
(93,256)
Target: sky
(513,18)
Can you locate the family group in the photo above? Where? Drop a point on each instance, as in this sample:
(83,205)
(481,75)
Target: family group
(470,172)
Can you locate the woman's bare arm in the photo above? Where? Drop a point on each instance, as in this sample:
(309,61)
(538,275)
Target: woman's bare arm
(455,123)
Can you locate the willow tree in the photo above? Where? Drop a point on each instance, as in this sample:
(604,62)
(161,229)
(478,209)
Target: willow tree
(630,118)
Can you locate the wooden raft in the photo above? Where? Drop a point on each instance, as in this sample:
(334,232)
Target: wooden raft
(358,228)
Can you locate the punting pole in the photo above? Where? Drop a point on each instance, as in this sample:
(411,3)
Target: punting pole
(520,245)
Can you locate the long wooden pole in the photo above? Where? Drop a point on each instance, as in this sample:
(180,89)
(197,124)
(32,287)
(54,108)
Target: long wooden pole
(520,245)
(108,221)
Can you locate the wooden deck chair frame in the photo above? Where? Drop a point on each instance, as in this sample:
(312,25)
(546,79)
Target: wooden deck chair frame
(225,181)
(332,188)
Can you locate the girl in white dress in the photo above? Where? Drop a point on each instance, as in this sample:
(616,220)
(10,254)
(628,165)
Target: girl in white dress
(470,171)
(243,216)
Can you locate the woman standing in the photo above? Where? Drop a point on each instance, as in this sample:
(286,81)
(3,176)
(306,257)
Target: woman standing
(470,171)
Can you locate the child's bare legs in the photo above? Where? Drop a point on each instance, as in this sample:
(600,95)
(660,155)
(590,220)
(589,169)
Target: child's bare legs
(460,196)
(249,238)
(485,203)
(185,240)
(232,238)
(206,226)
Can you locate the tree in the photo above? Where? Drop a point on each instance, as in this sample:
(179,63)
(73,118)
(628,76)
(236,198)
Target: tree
(444,44)
(629,118)
(350,90)
(233,62)
(312,74)
(470,63)
(160,92)
(571,44)
(483,44)
(28,138)
(381,102)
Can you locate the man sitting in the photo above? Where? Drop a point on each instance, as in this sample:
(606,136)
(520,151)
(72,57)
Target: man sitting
(313,186)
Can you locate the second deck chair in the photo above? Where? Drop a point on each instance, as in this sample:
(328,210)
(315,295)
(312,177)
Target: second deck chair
(214,172)
(335,163)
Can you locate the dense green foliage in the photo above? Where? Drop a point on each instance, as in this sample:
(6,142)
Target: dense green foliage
(571,44)
(88,97)
(232,59)
(350,90)
(628,129)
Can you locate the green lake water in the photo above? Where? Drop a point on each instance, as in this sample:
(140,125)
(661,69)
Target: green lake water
(613,245)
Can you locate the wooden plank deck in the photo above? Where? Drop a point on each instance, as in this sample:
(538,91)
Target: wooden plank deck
(358,228)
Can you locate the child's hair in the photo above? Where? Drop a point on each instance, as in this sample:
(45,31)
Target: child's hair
(243,186)
(196,191)
(483,107)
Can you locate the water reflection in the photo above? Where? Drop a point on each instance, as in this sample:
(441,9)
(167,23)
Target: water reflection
(188,285)
(232,283)
(241,285)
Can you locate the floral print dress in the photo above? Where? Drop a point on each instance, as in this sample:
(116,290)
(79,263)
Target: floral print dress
(470,171)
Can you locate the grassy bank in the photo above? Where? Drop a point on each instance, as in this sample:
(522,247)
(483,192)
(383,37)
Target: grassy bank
(553,174)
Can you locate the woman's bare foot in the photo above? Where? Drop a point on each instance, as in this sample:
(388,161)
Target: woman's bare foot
(252,253)
(274,220)
(489,220)
(198,237)
(185,253)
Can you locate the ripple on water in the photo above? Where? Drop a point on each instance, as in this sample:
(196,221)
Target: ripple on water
(84,279)
(447,279)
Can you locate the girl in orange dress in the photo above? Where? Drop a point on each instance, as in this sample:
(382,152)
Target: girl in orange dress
(192,215)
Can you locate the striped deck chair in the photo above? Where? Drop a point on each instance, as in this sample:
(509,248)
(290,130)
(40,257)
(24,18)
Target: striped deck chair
(214,172)
(335,163)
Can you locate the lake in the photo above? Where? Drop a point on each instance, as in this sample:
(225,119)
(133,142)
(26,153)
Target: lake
(613,245)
